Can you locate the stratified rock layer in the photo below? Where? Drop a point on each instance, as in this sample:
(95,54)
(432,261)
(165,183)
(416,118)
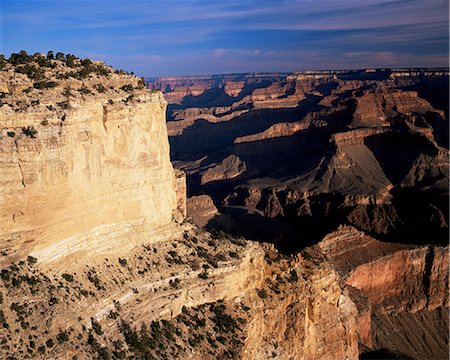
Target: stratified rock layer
(320,149)
(93,176)
(401,292)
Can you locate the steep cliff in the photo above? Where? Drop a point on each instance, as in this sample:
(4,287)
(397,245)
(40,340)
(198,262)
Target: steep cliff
(401,292)
(85,166)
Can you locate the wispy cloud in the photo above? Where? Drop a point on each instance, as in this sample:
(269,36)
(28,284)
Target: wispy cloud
(174,36)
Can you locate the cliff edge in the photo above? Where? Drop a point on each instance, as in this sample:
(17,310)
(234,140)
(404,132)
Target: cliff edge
(84,161)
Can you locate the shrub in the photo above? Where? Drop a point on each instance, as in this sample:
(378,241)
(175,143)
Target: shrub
(175,283)
(11,133)
(2,317)
(21,58)
(63,75)
(88,67)
(68,277)
(261,293)
(129,98)
(45,84)
(70,60)
(44,62)
(141,82)
(93,278)
(62,337)
(64,105)
(31,260)
(96,326)
(49,343)
(31,71)
(30,131)
(203,275)
(100,88)
(84,90)
(225,323)
(127,88)
(60,56)
(293,276)
(67,92)
(4,275)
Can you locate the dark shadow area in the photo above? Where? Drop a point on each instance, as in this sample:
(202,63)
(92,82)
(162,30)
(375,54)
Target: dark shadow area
(383,354)
(276,158)
(203,137)
(251,226)
(216,96)
(325,89)
(440,128)
(378,75)
(414,217)
(435,90)
(396,151)
(210,97)
(424,215)
(290,233)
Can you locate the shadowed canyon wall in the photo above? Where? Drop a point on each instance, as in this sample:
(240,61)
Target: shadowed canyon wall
(318,149)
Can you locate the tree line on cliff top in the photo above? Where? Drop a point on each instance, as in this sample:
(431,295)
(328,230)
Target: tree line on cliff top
(22,60)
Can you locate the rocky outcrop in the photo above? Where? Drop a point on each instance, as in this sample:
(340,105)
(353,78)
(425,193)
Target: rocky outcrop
(181,192)
(306,315)
(229,168)
(201,209)
(277,130)
(375,109)
(183,89)
(60,310)
(394,286)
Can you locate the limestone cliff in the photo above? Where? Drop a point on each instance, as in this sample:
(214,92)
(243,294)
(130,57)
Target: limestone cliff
(84,170)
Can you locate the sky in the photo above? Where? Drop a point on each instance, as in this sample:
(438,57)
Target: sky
(185,37)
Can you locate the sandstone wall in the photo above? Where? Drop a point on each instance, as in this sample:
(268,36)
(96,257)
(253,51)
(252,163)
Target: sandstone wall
(96,178)
(311,317)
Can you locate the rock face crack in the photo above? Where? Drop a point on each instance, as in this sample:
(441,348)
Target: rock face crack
(105,118)
(18,164)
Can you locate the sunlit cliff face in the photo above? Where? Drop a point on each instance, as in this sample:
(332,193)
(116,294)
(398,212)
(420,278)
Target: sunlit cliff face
(86,162)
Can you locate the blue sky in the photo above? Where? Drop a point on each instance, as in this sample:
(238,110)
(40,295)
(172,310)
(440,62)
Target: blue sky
(176,37)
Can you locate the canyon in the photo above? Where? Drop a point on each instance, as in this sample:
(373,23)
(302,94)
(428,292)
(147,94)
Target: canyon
(366,148)
(304,215)
(291,158)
